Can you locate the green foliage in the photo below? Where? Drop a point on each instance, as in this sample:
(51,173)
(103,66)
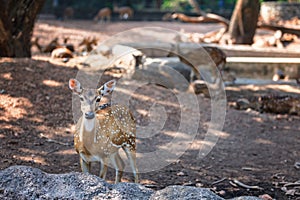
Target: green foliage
(176,5)
(278,1)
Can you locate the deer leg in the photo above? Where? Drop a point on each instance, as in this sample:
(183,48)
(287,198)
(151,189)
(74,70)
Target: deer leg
(131,155)
(192,74)
(103,169)
(85,166)
(118,164)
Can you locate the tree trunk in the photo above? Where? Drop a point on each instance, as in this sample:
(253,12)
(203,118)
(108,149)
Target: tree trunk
(243,22)
(158,4)
(17,19)
(197,8)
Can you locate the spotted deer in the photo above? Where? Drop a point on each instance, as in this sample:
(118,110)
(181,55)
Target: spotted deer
(104,13)
(102,130)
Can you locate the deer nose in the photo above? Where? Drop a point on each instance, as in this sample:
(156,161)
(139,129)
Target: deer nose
(89,115)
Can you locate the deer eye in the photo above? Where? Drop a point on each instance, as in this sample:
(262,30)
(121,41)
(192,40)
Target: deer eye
(98,99)
(81,98)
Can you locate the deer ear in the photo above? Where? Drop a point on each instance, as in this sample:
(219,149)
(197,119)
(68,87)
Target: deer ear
(107,88)
(75,86)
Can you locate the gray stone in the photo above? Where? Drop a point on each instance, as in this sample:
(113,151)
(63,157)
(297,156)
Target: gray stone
(184,193)
(21,182)
(242,104)
(167,72)
(246,198)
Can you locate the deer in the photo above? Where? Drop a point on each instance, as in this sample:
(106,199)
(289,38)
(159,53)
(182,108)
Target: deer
(87,44)
(125,12)
(102,130)
(61,52)
(68,45)
(68,13)
(104,13)
(49,47)
(53,45)
(191,58)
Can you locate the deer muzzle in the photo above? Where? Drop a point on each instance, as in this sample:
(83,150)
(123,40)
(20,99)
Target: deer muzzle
(89,115)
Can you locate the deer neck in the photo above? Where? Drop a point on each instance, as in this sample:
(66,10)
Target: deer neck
(38,45)
(88,127)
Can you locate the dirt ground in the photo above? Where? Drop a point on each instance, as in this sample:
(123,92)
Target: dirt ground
(258,149)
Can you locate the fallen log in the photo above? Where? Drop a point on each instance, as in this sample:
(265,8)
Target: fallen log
(272,104)
(209,17)
(283,29)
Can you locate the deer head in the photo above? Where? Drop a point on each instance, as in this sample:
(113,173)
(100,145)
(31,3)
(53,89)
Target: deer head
(90,98)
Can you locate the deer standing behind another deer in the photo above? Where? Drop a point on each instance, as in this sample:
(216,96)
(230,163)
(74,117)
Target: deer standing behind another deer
(125,12)
(104,13)
(103,130)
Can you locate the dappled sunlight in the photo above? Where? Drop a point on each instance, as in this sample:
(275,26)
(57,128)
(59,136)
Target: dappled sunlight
(35,100)
(143,97)
(142,112)
(70,151)
(267,87)
(12,128)
(6,76)
(147,182)
(52,83)
(198,144)
(30,151)
(36,119)
(35,159)
(37,122)
(6,59)
(284,88)
(217,133)
(258,119)
(264,141)
(182,136)
(13,108)
(31,156)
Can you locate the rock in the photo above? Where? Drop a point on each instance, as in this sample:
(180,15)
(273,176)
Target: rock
(242,104)
(180,174)
(265,197)
(199,87)
(279,104)
(96,61)
(103,50)
(246,198)
(123,55)
(184,193)
(297,165)
(128,191)
(21,182)
(153,49)
(278,75)
(167,72)
(168,62)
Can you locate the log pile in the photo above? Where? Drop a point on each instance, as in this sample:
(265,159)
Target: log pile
(285,31)
(271,104)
